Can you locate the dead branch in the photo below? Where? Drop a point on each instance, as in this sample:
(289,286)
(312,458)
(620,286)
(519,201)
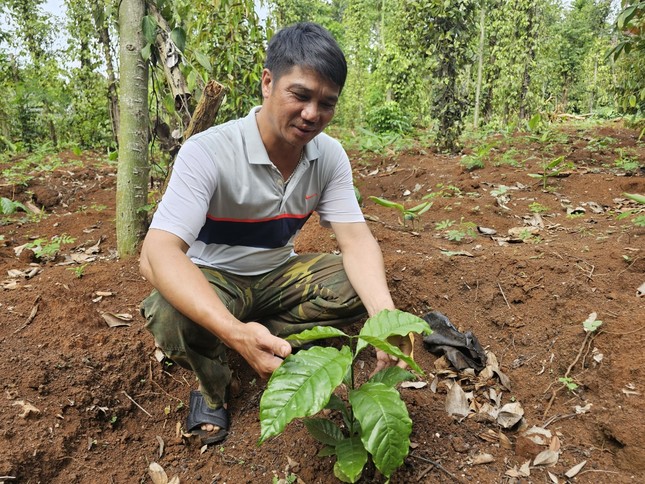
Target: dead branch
(31,316)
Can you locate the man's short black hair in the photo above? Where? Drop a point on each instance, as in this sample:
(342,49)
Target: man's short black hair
(306,45)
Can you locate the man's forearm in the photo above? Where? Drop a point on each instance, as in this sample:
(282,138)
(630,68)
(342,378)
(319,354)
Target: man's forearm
(365,270)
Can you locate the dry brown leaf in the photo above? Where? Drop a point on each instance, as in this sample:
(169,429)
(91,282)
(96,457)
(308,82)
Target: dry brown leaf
(203,449)
(525,468)
(546,458)
(510,414)
(174,480)
(555,444)
(115,320)
(575,469)
(489,436)
(553,477)
(104,293)
(504,441)
(456,401)
(538,435)
(161,446)
(483,458)
(157,474)
(414,384)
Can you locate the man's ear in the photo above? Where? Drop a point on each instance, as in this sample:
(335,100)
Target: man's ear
(266,83)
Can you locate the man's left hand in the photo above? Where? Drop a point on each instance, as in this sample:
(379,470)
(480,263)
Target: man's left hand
(404,343)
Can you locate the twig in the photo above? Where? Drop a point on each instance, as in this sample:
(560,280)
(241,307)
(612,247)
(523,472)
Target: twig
(557,417)
(623,334)
(31,316)
(627,268)
(140,407)
(503,295)
(596,470)
(437,465)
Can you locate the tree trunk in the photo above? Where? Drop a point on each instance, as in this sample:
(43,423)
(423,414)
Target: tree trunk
(206,110)
(132,176)
(480,65)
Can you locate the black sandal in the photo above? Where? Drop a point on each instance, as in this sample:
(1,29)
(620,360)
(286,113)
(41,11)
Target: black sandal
(200,413)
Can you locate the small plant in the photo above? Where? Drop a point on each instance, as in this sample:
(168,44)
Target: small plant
(639,220)
(8,206)
(444,224)
(568,382)
(509,157)
(537,207)
(376,420)
(44,249)
(458,232)
(626,162)
(406,213)
(550,169)
(476,159)
(79,271)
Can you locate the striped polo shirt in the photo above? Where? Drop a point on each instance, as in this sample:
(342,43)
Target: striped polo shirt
(232,207)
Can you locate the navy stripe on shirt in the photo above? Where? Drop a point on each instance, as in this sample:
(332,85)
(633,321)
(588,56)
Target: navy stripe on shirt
(266,234)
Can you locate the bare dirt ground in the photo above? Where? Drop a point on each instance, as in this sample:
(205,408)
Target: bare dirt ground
(82,401)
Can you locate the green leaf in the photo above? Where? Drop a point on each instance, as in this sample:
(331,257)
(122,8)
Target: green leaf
(387,203)
(318,332)
(301,387)
(203,60)
(392,376)
(149,26)
(553,163)
(326,451)
(591,324)
(178,36)
(324,431)
(534,122)
(351,457)
(390,322)
(636,197)
(632,101)
(394,351)
(145,52)
(385,424)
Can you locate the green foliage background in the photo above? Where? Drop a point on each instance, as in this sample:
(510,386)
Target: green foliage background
(413,63)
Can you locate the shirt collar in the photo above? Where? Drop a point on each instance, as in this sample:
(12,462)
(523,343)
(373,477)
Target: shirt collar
(257,153)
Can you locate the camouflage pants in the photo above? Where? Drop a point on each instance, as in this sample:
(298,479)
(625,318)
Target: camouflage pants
(307,291)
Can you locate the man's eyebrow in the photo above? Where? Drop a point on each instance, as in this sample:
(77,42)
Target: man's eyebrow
(304,89)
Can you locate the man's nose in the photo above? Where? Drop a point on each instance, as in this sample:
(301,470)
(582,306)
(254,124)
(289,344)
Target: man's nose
(310,112)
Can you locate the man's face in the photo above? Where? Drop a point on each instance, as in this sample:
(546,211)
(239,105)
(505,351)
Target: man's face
(297,107)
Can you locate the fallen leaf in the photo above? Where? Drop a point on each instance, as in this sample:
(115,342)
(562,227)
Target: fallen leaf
(115,320)
(456,401)
(161,446)
(104,293)
(525,469)
(450,253)
(546,458)
(640,292)
(203,449)
(555,444)
(580,410)
(504,441)
(553,477)
(510,414)
(157,474)
(483,459)
(414,384)
(538,435)
(575,469)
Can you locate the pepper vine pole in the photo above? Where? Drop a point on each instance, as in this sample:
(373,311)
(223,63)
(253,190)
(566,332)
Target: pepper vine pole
(132,176)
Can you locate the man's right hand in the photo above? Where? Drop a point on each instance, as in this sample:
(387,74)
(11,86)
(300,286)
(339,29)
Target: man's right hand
(262,350)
